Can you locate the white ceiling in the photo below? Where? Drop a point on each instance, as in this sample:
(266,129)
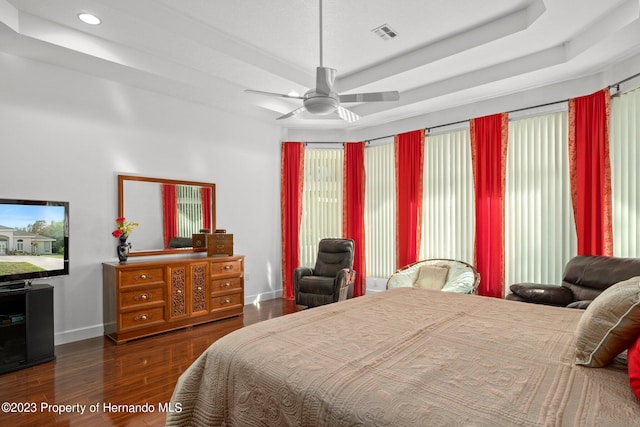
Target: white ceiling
(448,52)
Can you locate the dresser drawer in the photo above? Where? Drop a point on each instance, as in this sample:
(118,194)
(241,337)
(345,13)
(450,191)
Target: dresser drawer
(226,268)
(230,284)
(141,297)
(227,301)
(219,244)
(141,276)
(141,318)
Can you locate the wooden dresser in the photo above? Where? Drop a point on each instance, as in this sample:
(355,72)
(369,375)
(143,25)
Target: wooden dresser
(146,298)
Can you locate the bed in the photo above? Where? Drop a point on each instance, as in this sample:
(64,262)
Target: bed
(405,357)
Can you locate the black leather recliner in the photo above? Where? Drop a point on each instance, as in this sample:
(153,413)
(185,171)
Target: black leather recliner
(584,278)
(332,278)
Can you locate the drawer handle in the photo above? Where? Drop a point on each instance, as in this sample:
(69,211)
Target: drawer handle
(179,291)
(142,277)
(142,317)
(220,246)
(227,267)
(225,285)
(226,301)
(199,288)
(142,297)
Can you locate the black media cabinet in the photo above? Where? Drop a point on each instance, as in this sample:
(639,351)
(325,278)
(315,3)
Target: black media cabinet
(26,327)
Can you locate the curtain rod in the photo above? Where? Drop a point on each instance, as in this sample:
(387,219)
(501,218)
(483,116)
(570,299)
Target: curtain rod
(427,129)
(617,85)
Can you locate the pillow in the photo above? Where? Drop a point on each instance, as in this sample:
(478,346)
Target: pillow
(462,283)
(609,325)
(633,366)
(432,277)
(403,279)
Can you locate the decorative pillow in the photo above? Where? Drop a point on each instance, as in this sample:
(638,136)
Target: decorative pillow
(403,279)
(633,366)
(432,277)
(609,325)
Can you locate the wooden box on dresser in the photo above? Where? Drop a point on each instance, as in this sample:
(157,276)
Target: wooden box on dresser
(143,298)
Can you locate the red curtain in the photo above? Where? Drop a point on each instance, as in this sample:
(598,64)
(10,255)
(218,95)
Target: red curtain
(353,209)
(170,212)
(409,156)
(205,197)
(292,180)
(591,172)
(489,137)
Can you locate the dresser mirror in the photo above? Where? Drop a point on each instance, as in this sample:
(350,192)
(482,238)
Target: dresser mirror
(168,212)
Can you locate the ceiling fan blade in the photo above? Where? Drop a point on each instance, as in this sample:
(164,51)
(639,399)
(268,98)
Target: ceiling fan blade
(325,77)
(292,113)
(347,115)
(280,95)
(370,97)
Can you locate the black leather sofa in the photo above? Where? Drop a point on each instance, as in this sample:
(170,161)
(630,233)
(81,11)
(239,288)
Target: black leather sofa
(584,278)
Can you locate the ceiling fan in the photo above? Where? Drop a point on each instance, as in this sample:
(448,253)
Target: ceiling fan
(323,100)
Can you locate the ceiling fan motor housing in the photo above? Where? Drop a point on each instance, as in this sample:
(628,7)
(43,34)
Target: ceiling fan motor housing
(317,103)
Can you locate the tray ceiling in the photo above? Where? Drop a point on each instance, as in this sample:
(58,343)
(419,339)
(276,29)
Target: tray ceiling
(448,52)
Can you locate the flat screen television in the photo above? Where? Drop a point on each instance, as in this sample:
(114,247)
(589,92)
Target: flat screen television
(34,241)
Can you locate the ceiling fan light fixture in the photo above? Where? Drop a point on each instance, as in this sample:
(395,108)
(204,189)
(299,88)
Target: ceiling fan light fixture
(321,105)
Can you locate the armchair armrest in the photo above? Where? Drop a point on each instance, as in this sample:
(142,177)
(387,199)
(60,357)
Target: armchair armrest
(344,280)
(299,273)
(543,294)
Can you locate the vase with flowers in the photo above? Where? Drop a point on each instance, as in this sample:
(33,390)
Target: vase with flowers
(122,232)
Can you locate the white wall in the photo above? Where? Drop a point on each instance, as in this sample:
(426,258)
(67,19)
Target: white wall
(66,136)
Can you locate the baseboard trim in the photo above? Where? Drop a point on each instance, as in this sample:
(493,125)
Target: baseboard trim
(264,296)
(66,337)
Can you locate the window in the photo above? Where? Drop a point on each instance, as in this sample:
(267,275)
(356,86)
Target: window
(189,206)
(624,148)
(380,210)
(540,232)
(448,226)
(321,201)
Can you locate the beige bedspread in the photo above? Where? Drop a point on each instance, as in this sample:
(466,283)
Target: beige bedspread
(405,357)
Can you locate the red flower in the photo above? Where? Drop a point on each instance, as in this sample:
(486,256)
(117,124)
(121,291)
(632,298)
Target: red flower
(121,219)
(117,233)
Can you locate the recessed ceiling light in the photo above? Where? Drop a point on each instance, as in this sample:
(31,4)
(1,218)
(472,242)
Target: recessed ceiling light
(88,18)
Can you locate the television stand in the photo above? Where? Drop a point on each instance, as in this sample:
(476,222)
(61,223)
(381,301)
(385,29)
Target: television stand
(15,286)
(26,327)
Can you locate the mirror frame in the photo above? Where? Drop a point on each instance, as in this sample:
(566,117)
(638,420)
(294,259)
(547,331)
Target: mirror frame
(165,251)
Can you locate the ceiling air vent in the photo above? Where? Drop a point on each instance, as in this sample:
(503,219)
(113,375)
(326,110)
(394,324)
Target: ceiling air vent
(385,32)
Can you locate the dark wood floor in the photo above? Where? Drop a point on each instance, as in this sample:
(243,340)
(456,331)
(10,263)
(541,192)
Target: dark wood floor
(98,372)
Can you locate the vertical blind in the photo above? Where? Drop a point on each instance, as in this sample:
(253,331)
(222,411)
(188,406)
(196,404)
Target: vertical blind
(540,232)
(321,200)
(380,210)
(448,208)
(189,209)
(624,143)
